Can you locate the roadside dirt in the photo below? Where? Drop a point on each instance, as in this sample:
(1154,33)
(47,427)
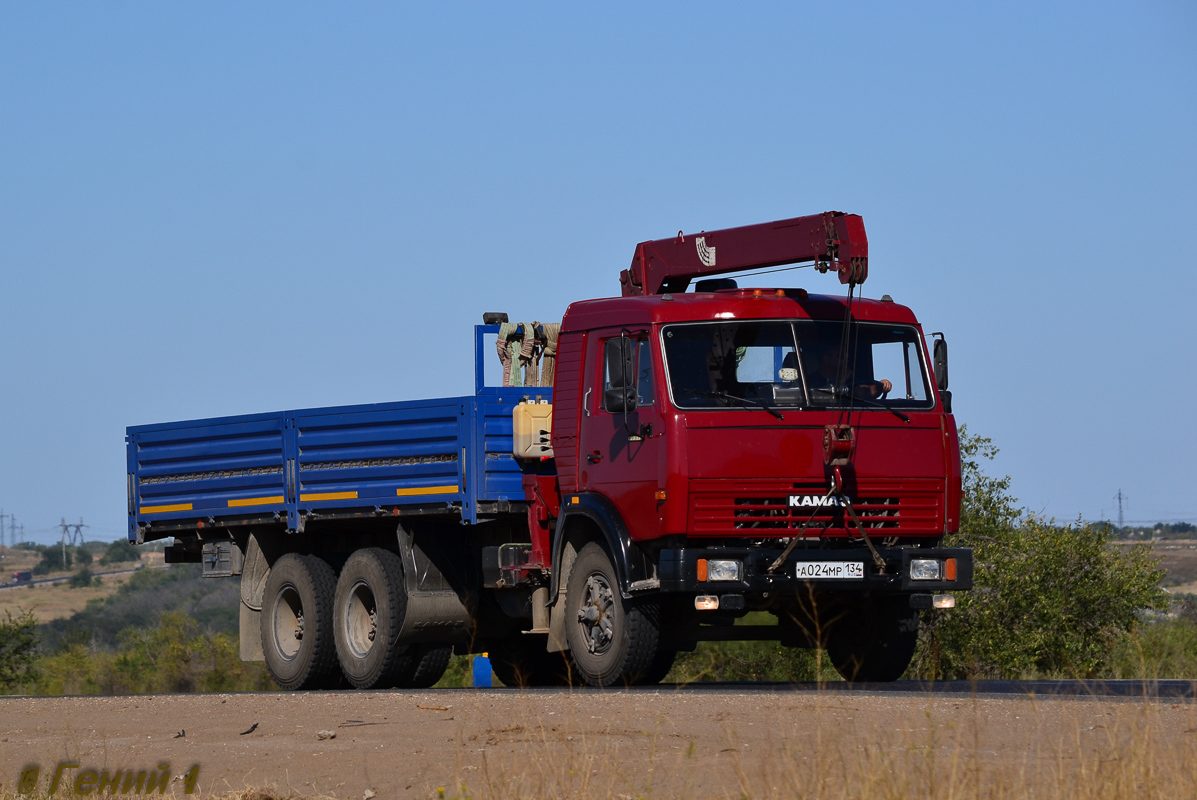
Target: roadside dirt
(663,742)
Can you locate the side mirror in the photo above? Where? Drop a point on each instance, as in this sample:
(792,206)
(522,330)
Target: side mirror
(620,397)
(939,359)
(620,400)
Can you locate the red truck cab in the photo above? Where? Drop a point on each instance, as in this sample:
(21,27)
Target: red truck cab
(730,450)
(687,461)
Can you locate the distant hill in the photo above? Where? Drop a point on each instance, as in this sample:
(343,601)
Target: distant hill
(141,602)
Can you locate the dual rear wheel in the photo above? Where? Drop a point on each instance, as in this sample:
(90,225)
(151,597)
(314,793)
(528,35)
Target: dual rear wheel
(319,629)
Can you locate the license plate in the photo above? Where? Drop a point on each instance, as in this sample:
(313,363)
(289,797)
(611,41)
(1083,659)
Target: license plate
(830,570)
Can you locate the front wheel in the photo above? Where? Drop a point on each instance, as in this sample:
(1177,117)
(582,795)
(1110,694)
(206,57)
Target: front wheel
(876,641)
(611,640)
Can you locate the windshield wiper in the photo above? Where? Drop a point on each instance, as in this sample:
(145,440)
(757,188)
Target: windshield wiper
(841,391)
(759,403)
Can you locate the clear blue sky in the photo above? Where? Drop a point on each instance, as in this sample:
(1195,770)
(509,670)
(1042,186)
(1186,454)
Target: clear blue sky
(212,209)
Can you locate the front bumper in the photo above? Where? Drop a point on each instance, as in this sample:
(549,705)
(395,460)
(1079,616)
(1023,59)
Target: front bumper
(678,570)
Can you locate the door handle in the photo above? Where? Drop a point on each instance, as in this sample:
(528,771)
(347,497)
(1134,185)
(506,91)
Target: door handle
(594,457)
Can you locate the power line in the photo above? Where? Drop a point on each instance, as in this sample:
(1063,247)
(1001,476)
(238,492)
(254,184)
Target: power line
(75,531)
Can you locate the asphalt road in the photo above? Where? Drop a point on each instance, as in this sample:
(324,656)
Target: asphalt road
(61,578)
(1131,689)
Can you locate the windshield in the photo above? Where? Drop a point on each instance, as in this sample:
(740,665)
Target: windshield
(802,363)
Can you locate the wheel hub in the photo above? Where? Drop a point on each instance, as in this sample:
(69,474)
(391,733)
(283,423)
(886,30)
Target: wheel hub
(595,614)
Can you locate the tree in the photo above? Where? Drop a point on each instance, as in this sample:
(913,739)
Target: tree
(18,650)
(81,579)
(120,551)
(1048,599)
(53,561)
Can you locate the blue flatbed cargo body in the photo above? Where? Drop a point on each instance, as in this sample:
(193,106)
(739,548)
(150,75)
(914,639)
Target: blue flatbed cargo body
(446,455)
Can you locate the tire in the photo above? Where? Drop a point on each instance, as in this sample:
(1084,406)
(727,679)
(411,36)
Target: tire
(523,661)
(423,665)
(296,622)
(368,614)
(612,641)
(876,642)
(656,672)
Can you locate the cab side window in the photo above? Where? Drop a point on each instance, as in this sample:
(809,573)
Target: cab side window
(641,370)
(644,373)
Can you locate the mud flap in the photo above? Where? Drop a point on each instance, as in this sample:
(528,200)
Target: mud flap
(254,573)
(557,642)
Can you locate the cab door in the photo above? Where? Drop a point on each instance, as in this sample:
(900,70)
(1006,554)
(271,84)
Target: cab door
(620,450)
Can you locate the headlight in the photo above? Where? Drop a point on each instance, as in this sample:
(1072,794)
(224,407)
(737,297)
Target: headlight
(924,569)
(718,569)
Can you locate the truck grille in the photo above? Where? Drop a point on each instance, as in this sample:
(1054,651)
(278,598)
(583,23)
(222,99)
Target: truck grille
(892,507)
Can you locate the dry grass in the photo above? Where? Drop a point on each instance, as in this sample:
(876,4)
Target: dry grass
(49,601)
(1178,558)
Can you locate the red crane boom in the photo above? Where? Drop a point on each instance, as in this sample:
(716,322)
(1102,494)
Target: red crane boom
(832,240)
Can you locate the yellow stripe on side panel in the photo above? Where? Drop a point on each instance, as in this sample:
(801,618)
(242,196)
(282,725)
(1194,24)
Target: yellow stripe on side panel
(164,509)
(329,496)
(427,490)
(256,501)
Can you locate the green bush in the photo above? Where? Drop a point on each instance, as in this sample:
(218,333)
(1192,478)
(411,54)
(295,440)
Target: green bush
(54,559)
(1049,600)
(458,674)
(119,552)
(174,656)
(750,661)
(18,650)
(82,579)
(1157,650)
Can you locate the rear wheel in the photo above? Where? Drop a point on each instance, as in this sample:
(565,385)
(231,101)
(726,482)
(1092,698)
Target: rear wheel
(423,666)
(297,629)
(369,610)
(612,641)
(876,641)
(523,661)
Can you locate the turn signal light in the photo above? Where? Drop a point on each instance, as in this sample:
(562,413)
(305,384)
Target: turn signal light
(702,570)
(949,569)
(661,495)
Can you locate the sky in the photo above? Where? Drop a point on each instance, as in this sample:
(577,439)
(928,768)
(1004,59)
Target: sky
(225,208)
